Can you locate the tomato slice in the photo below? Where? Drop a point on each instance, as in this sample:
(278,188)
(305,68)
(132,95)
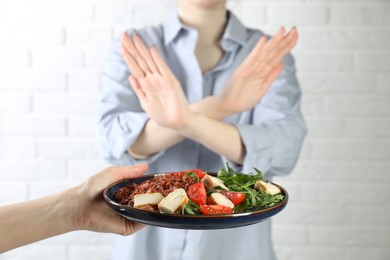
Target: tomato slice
(215,209)
(198,172)
(197,193)
(233,196)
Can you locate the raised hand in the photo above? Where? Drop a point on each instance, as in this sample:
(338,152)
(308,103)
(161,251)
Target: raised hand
(252,79)
(158,90)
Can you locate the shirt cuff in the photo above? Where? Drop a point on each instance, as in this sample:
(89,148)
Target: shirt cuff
(258,146)
(127,159)
(124,131)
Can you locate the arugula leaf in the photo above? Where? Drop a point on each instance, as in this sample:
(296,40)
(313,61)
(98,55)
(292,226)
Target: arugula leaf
(193,174)
(245,183)
(229,172)
(260,175)
(191,208)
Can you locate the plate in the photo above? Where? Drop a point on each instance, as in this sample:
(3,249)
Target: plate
(196,222)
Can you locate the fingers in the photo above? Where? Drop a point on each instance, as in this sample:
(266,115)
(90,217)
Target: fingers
(142,61)
(274,57)
(137,88)
(278,37)
(162,66)
(114,174)
(103,219)
(274,51)
(271,52)
(94,185)
(118,224)
(273,75)
(292,39)
(256,52)
(126,44)
(145,54)
(124,227)
(131,227)
(285,45)
(137,56)
(259,53)
(130,171)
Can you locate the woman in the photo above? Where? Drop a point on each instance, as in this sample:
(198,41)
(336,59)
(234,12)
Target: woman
(209,91)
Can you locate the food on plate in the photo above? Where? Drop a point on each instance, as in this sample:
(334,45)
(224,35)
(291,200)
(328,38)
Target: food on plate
(164,184)
(233,196)
(215,209)
(220,199)
(195,192)
(213,183)
(267,187)
(152,199)
(173,202)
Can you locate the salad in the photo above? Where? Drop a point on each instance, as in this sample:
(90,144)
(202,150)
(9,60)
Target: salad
(195,192)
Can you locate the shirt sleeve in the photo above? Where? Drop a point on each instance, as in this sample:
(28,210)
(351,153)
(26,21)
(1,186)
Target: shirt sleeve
(275,136)
(120,116)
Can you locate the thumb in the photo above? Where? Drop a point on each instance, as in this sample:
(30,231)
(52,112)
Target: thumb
(114,174)
(127,172)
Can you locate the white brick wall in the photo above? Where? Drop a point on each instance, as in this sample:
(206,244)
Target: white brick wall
(50,57)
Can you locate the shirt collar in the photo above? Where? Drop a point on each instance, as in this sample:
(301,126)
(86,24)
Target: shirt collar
(234,31)
(172,26)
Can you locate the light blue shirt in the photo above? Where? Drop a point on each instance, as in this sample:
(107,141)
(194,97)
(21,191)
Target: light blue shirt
(272,132)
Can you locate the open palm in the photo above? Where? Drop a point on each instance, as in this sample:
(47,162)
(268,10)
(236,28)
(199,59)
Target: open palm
(252,79)
(158,90)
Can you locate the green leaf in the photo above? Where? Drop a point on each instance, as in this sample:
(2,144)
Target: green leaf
(260,175)
(222,173)
(245,183)
(191,208)
(230,170)
(193,174)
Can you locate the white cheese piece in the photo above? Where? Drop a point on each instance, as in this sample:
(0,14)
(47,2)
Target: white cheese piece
(173,202)
(147,199)
(268,187)
(219,199)
(211,183)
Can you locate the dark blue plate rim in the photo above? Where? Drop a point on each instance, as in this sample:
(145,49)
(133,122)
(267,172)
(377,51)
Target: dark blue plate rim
(185,221)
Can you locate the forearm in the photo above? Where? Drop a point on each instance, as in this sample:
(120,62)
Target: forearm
(155,138)
(31,221)
(220,137)
(152,139)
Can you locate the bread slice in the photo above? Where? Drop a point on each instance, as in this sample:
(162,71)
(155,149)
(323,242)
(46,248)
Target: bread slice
(153,199)
(268,187)
(211,183)
(173,202)
(219,199)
